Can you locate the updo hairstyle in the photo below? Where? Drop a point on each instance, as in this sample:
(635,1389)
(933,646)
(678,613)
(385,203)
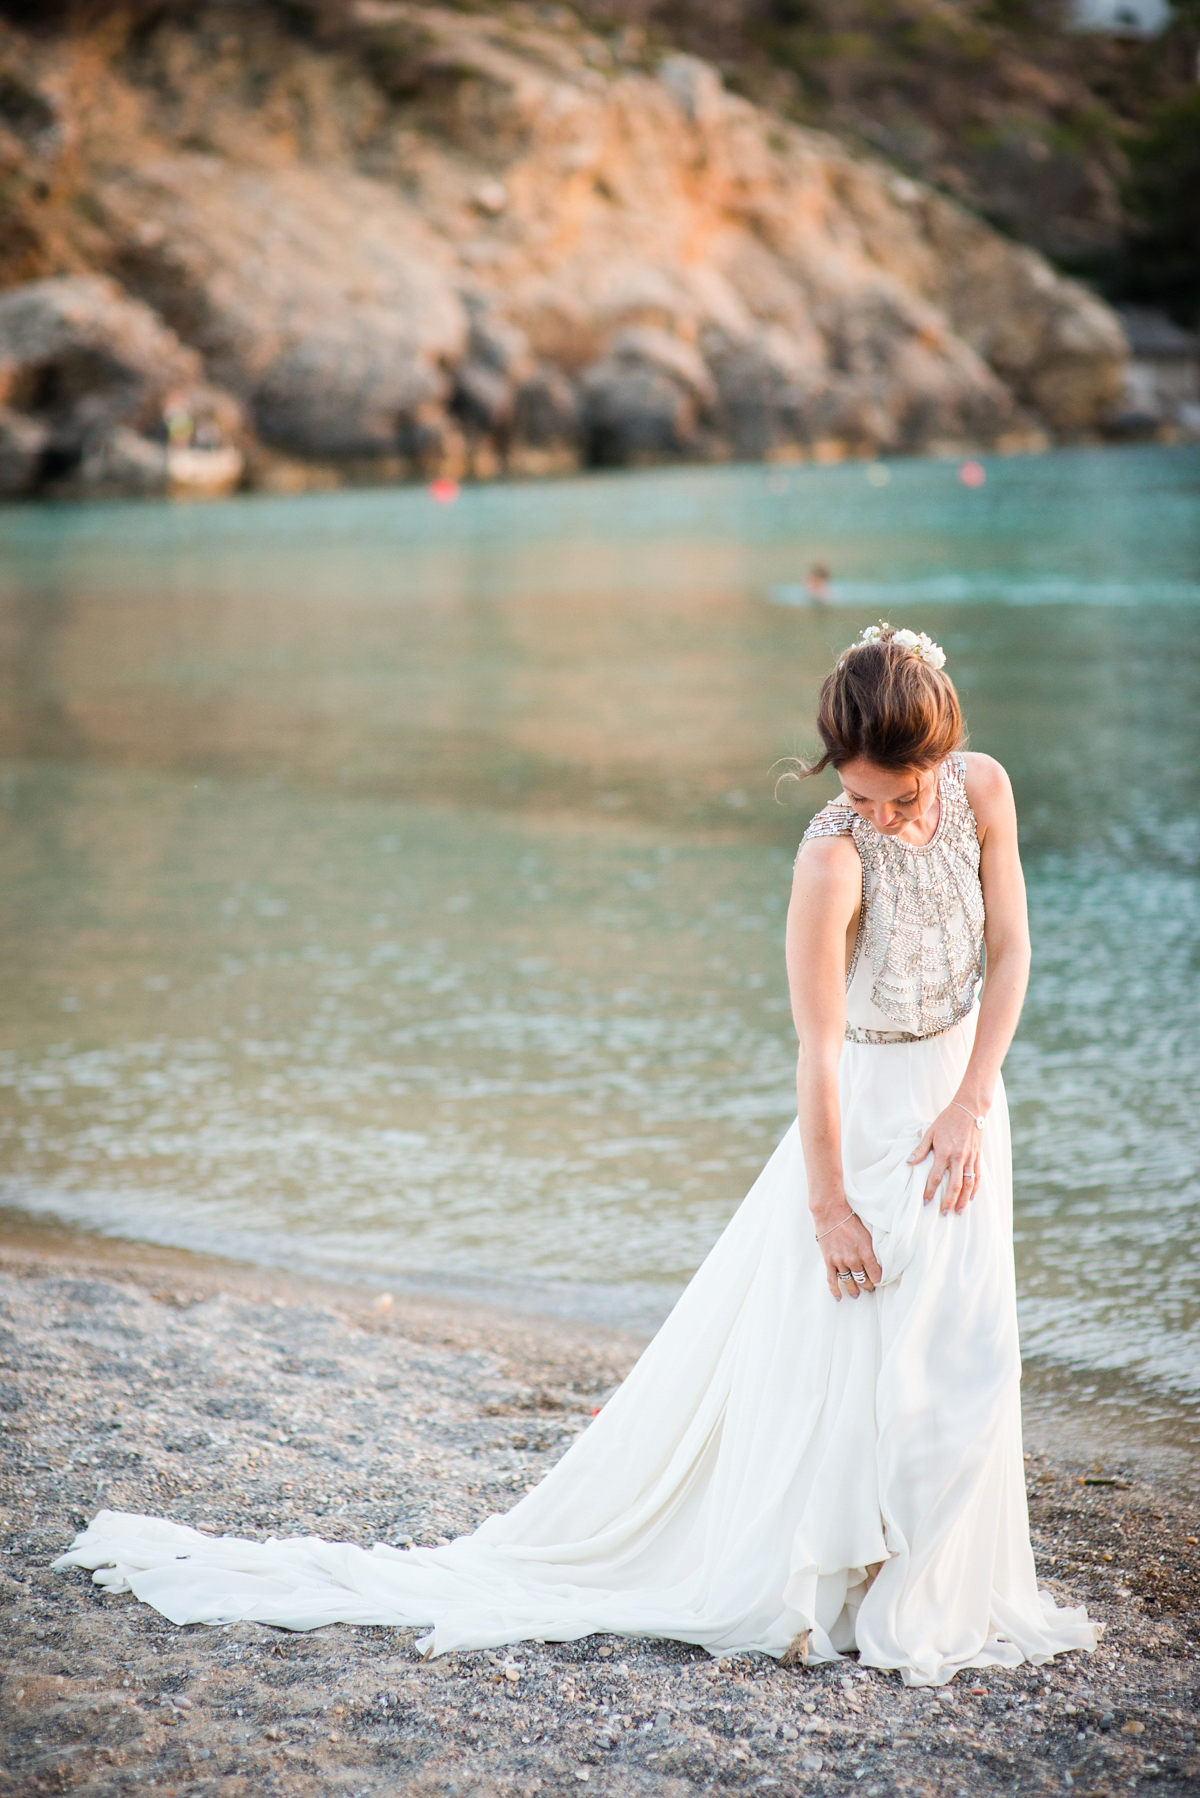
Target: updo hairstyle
(886,703)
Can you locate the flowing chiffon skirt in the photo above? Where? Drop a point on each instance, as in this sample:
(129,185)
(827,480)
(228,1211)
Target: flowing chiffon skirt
(776,1463)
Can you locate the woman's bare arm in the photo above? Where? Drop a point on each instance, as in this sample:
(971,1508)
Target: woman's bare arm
(826,892)
(953,1138)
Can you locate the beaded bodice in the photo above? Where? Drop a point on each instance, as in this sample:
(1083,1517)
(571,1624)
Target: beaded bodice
(918,959)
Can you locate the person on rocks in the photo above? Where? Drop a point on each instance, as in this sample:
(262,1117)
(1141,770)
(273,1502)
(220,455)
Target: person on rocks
(820,1452)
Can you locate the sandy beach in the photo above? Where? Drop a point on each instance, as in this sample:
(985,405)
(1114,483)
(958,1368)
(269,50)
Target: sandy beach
(245,1401)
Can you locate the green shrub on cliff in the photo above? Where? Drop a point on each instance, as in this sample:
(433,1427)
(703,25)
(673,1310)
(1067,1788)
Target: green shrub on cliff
(997,102)
(1162,263)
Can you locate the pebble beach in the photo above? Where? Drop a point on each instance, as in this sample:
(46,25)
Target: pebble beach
(258,1403)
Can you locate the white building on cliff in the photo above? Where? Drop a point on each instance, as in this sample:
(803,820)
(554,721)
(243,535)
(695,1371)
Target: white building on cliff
(1122,18)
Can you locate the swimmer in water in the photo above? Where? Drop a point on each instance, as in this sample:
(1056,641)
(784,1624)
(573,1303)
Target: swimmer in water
(817,584)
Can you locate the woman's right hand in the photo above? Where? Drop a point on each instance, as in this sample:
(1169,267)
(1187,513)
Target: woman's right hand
(849,1250)
(826,900)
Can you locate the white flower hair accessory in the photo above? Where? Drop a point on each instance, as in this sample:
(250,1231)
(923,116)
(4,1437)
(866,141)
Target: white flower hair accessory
(931,653)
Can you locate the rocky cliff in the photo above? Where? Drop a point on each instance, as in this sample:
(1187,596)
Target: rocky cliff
(377,240)
(1004,104)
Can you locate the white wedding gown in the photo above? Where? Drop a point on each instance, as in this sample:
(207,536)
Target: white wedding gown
(776,1463)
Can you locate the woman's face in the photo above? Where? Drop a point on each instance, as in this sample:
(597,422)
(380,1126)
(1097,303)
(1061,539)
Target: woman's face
(889,799)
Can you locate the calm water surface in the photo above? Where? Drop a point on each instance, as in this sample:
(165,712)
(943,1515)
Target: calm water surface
(398,890)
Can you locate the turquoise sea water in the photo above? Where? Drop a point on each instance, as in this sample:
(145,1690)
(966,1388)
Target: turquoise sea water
(397,890)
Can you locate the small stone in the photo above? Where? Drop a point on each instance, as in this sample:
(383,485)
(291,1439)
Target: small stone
(581,1773)
(1133,1728)
(491,197)
(812,1763)
(604,1652)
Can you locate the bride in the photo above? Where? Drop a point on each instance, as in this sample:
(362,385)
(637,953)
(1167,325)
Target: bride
(820,1451)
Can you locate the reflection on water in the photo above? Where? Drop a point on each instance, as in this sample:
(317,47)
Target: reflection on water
(416,1040)
(398,890)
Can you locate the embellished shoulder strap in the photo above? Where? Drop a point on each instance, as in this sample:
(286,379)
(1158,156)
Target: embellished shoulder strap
(836,819)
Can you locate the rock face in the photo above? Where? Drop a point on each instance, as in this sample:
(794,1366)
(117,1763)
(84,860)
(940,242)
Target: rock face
(94,387)
(319,297)
(414,240)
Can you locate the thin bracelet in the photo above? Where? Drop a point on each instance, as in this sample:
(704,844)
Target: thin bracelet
(975,1118)
(833,1227)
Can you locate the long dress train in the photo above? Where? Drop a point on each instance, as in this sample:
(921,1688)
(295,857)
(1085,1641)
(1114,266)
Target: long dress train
(776,1463)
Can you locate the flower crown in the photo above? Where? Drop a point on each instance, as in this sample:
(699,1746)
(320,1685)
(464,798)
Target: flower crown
(929,652)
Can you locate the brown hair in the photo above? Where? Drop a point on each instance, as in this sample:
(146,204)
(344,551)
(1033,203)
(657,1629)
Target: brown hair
(883,702)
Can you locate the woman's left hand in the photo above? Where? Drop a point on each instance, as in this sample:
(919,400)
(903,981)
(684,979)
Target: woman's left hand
(955,1141)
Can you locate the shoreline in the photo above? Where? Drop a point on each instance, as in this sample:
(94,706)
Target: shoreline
(1096,1415)
(258,1402)
(304,481)
(281,476)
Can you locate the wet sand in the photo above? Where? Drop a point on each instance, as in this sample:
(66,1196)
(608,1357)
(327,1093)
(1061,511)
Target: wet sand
(258,1403)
